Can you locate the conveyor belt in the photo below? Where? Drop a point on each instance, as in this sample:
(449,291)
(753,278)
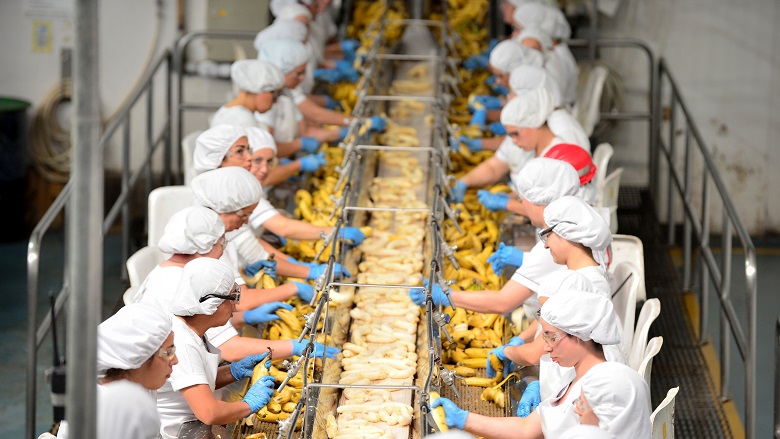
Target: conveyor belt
(698,413)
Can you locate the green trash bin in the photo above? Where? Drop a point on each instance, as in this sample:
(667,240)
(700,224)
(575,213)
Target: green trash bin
(13,167)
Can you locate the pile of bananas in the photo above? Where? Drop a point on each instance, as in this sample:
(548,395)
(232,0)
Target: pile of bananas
(370,11)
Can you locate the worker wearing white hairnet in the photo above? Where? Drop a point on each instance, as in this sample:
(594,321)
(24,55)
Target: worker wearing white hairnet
(276,6)
(206,298)
(575,326)
(509,54)
(508,8)
(282,30)
(536,39)
(135,354)
(219,144)
(259,84)
(614,398)
(583,164)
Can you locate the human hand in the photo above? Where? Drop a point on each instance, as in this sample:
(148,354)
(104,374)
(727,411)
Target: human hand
(330,351)
(500,89)
(493,202)
(332,104)
(312,162)
(475,62)
(378,123)
(489,102)
(260,393)
(479,118)
(530,399)
(243,368)
(456,416)
(310,144)
(458,191)
(338,271)
(349,45)
(265,313)
(343,131)
(439,298)
(254,267)
(473,145)
(497,129)
(347,72)
(352,234)
(304,291)
(505,255)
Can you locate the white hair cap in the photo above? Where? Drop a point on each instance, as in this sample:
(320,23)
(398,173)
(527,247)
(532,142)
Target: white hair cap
(584,315)
(201,277)
(543,180)
(618,396)
(277,6)
(260,139)
(530,110)
(192,230)
(287,55)
(226,190)
(131,336)
(518,3)
(525,78)
(538,15)
(574,220)
(292,10)
(282,30)
(586,431)
(535,33)
(212,145)
(509,54)
(256,76)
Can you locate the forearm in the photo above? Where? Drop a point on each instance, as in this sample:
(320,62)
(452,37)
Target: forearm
(515,206)
(286,149)
(224,377)
(487,173)
(281,173)
(492,143)
(319,100)
(294,229)
(501,428)
(252,298)
(322,115)
(238,347)
(208,409)
(529,333)
(494,115)
(493,302)
(288,269)
(527,354)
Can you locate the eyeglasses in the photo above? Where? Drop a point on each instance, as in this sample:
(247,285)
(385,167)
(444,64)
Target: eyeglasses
(544,234)
(234,296)
(553,338)
(167,354)
(262,161)
(241,214)
(241,150)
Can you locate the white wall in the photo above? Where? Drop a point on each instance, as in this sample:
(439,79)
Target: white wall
(725,55)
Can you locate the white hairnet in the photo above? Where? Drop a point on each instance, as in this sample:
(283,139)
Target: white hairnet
(256,76)
(585,431)
(292,10)
(227,189)
(212,145)
(543,180)
(277,6)
(584,315)
(537,34)
(517,3)
(574,220)
(562,29)
(509,54)
(618,396)
(536,14)
(530,110)
(200,277)
(287,55)
(525,78)
(260,139)
(282,30)
(131,336)
(192,230)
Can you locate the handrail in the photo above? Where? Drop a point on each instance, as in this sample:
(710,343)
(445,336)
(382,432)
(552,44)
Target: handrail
(777,379)
(37,332)
(697,224)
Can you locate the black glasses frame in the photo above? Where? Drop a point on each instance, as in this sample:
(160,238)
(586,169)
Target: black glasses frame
(235,296)
(544,234)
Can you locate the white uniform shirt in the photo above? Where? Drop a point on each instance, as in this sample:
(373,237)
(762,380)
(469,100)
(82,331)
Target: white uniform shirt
(242,248)
(560,417)
(564,125)
(570,71)
(262,213)
(537,265)
(283,117)
(198,362)
(514,156)
(592,279)
(236,115)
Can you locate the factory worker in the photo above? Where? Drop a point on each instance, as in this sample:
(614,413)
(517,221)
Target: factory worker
(575,327)
(614,398)
(282,30)
(583,164)
(536,39)
(206,298)
(135,355)
(233,193)
(301,13)
(585,431)
(508,9)
(266,217)
(265,162)
(277,6)
(259,84)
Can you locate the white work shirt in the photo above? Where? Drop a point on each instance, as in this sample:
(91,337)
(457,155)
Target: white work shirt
(283,117)
(560,417)
(565,126)
(243,248)
(236,115)
(570,71)
(592,279)
(537,265)
(554,67)
(262,213)
(198,362)
(514,156)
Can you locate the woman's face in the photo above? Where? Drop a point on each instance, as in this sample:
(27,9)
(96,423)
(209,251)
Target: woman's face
(239,155)
(558,248)
(158,369)
(264,101)
(502,77)
(234,220)
(562,347)
(525,138)
(262,163)
(585,412)
(292,79)
(217,249)
(225,310)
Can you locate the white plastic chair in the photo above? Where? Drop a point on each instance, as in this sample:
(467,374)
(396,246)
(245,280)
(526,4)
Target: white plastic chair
(163,203)
(646,366)
(624,300)
(587,110)
(601,156)
(629,248)
(650,311)
(662,418)
(188,154)
(139,265)
(608,196)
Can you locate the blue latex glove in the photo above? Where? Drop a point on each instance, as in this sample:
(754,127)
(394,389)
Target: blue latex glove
(475,62)
(378,123)
(479,118)
(330,351)
(490,81)
(500,89)
(244,368)
(489,102)
(497,129)
(493,202)
(332,104)
(260,393)
(282,240)
(304,291)
(254,267)
(331,76)
(349,45)
(498,352)
(473,145)
(505,255)
(458,191)
(352,234)
(346,71)
(343,131)
(312,162)
(310,144)
(456,416)
(491,45)
(265,313)
(530,400)
(439,298)
(316,271)
(516,341)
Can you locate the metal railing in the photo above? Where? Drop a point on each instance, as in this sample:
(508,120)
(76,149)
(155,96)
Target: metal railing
(36,332)
(697,223)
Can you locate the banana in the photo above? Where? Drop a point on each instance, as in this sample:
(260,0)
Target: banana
(479,381)
(438,413)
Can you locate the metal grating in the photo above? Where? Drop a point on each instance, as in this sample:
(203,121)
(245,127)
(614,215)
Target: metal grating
(698,412)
